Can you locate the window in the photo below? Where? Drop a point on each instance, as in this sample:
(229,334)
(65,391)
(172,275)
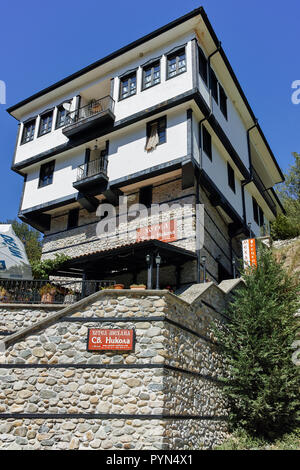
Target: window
(214,86)
(46,123)
(61,117)
(151,75)
(146,196)
(231,178)
(261,218)
(156,133)
(73,218)
(46,174)
(203,66)
(28,131)
(207,142)
(223,101)
(176,63)
(128,86)
(255,211)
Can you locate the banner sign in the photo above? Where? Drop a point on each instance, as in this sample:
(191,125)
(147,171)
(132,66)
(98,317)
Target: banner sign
(165,232)
(249,253)
(105,339)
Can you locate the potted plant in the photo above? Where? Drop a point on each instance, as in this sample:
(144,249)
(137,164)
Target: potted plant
(47,293)
(119,286)
(3,294)
(138,286)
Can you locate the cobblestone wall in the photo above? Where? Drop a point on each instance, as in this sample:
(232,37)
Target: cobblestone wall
(54,394)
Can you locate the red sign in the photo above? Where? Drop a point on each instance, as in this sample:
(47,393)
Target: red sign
(165,231)
(110,340)
(249,252)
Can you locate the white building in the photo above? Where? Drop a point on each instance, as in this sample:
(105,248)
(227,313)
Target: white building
(162,120)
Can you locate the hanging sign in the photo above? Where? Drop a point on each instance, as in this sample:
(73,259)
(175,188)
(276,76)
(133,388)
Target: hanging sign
(105,339)
(165,232)
(249,253)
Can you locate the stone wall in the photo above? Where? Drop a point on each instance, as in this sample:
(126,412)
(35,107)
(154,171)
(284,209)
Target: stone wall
(54,394)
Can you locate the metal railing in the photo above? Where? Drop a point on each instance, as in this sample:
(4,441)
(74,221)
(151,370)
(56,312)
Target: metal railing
(260,185)
(99,106)
(93,168)
(56,291)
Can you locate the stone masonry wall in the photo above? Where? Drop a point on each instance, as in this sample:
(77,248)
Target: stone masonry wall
(54,394)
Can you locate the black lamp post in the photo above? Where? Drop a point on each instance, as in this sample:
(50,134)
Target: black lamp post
(234,268)
(149,261)
(250,231)
(158,261)
(203,259)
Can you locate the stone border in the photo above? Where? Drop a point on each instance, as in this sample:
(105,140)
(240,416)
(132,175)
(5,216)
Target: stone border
(184,299)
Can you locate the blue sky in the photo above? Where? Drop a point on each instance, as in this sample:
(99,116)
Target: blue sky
(42,42)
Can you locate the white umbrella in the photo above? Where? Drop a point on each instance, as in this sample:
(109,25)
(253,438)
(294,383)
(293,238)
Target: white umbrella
(14,263)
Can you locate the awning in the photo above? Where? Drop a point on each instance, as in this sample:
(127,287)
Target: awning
(129,257)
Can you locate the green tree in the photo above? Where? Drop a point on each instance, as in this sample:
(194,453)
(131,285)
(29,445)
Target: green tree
(262,387)
(43,269)
(30,237)
(288,225)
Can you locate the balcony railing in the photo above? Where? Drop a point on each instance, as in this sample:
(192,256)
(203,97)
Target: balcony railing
(96,107)
(93,168)
(56,291)
(264,191)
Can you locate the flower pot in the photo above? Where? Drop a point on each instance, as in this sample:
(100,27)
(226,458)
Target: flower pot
(119,286)
(47,298)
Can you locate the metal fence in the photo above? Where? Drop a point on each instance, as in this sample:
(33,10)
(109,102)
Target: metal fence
(99,106)
(49,291)
(93,168)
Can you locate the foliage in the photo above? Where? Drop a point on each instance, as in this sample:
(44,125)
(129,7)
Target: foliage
(47,289)
(30,237)
(42,269)
(263,386)
(241,440)
(288,225)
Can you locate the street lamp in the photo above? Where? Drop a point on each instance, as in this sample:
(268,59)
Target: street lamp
(234,268)
(203,259)
(158,261)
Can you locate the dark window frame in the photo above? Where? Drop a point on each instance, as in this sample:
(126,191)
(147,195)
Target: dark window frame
(176,54)
(231,177)
(261,217)
(128,77)
(28,125)
(151,67)
(146,195)
(223,101)
(59,108)
(203,66)
(73,218)
(162,121)
(47,115)
(206,142)
(214,86)
(255,210)
(46,174)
